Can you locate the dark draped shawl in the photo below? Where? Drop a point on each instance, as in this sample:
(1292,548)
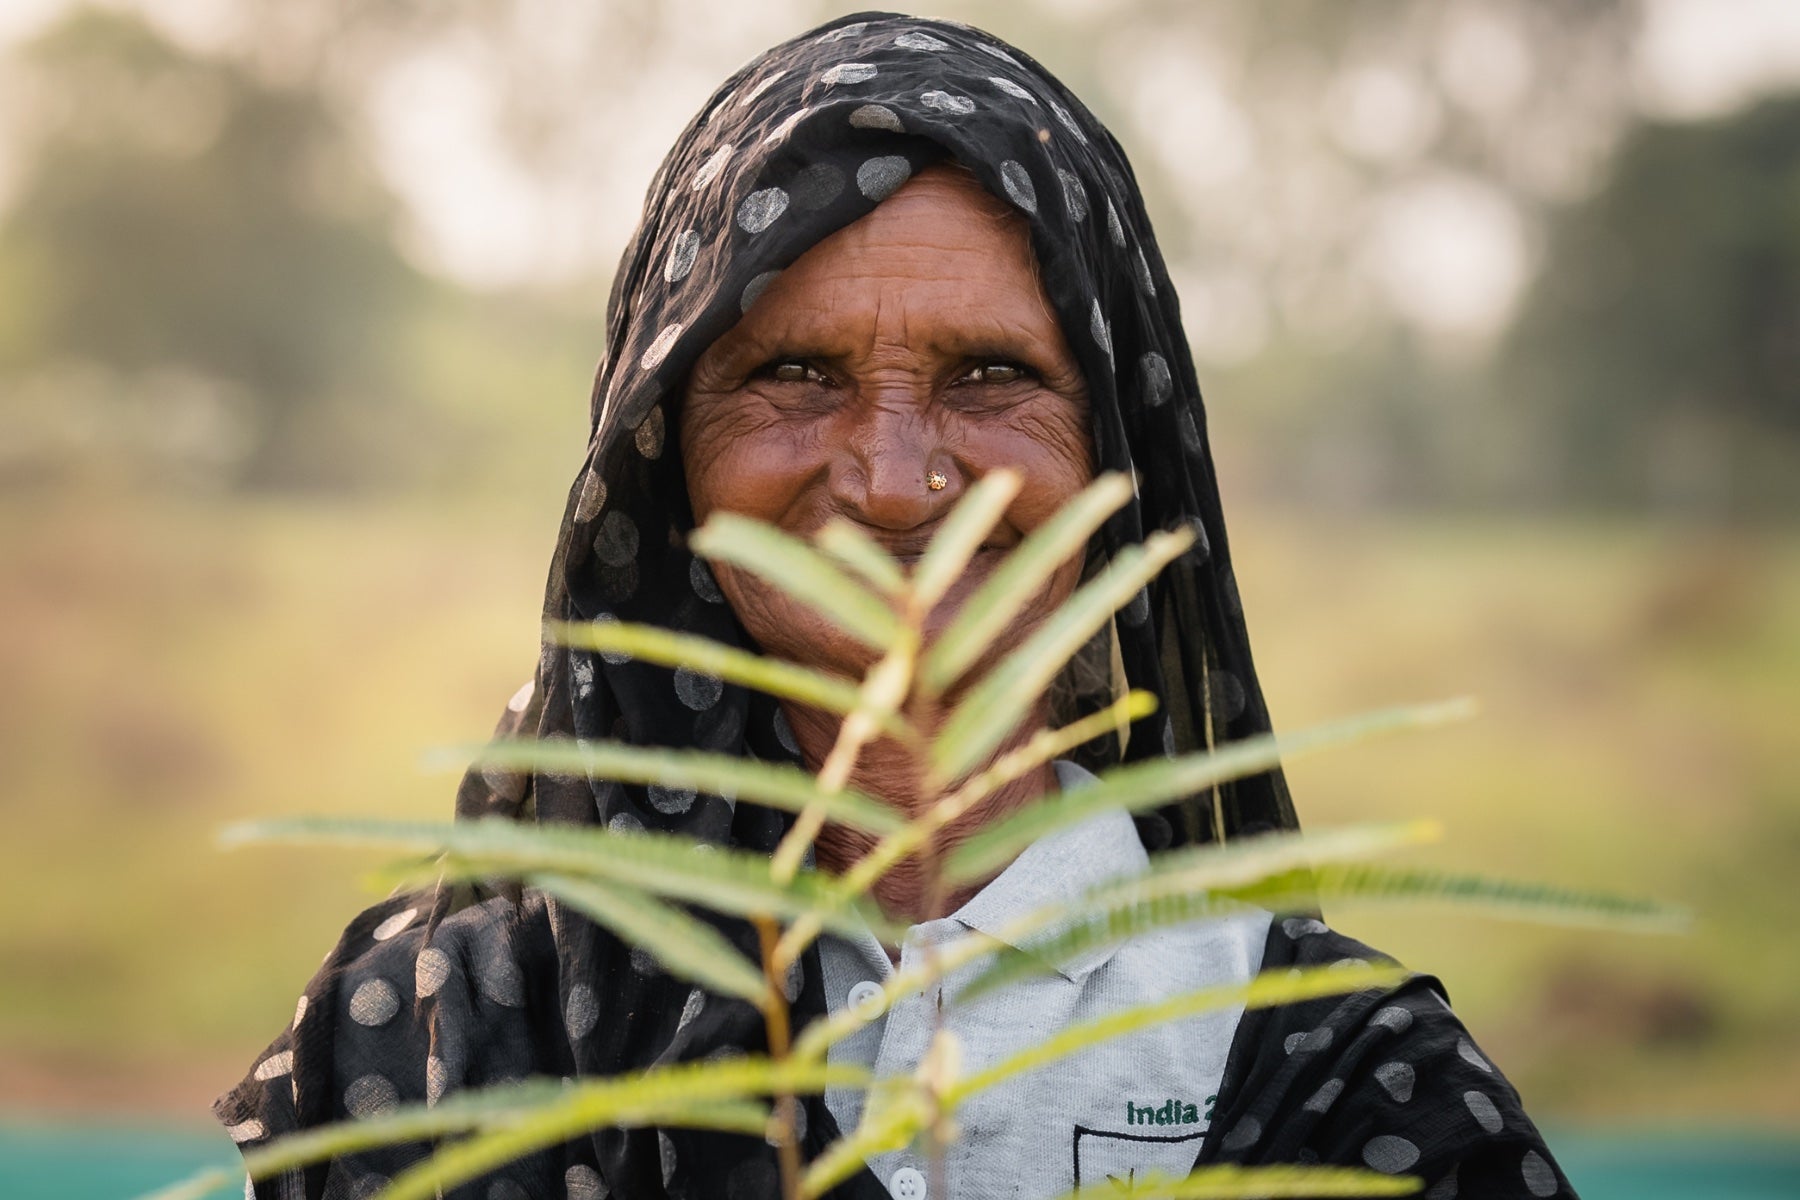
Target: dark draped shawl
(464,986)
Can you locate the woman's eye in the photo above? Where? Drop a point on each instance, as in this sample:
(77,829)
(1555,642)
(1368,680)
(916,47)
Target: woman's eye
(794,371)
(994,373)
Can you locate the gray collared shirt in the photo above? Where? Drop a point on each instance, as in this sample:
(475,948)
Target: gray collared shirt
(1133,1105)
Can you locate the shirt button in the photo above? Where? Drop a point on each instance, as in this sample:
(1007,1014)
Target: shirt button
(865,1002)
(907,1184)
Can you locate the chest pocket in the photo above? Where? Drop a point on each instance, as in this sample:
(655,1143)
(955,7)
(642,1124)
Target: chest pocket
(1110,1163)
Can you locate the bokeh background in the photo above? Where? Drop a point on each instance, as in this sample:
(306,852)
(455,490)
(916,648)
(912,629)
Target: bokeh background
(1497,310)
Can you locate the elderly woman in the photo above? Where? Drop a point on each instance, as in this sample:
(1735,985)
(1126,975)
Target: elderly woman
(888,257)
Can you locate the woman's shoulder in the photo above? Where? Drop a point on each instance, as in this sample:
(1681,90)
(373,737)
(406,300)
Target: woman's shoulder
(423,993)
(1388,1079)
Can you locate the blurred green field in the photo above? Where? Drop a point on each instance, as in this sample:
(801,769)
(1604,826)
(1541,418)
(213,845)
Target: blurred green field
(172,666)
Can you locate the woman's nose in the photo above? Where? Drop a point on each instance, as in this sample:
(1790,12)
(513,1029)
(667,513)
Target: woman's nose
(892,461)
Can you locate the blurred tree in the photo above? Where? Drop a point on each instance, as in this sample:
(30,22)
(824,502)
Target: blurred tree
(181,220)
(1660,346)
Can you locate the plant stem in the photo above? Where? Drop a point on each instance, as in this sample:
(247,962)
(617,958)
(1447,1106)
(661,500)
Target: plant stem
(775,1021)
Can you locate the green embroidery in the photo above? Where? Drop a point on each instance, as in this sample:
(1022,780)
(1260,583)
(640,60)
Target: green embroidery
(1172,1112)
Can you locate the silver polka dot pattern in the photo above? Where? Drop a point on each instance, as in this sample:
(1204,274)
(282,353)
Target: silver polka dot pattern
(1145,279)
(850,72)
(681,256)
(877,116)
(644,962)
(761,209)
(430,971)
(997,52)
(1396,1079)
(275,1066)
(755,288)
(1325,1097)
(696,1002)
(1393,1017)
(659,349)
(584,1183)
(854,29)
(1114,230)
(374,1003)
(404,917)
(581,1012)
(1075,198)
(1017,182)
(945,102)
(879,178)
(370,1096)
(699,692)
(784,733)
(593,497)
(1246,1134)
(1482,1109)
(246,1131)
(780,133)
(709,170)
(616,544)
(793,981)
(520,699)
(497,975)
(1101,330)
(1390,1154)
(1311,1042)
(1012,89)
(1466,1050)
(700,578)
(300,1009)
(1299,927)
(1540,1178)
(1068,122)
(368,1186)
(665,1151)
(649,435)
(916,40)
(1159,385)
(437,1079)
(581,673)
(671,801)
(625,823)
(762,85)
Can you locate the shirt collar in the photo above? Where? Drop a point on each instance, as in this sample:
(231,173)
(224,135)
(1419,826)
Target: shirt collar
(1060,866)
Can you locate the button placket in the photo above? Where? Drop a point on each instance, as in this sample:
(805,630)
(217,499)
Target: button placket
(907,1184)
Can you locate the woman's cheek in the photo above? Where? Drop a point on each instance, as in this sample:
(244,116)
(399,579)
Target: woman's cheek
(740,458)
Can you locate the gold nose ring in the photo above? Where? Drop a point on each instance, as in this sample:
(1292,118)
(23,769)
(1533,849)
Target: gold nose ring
(937,481)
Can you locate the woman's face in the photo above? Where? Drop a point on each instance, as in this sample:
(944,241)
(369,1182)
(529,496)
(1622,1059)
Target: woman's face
(915,340)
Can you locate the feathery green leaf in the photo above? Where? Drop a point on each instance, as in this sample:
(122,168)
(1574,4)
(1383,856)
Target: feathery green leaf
(1364,883)
(735,882)
(1265,991)
(789,564)
(961,535)
(686,946)
(1019,578)
(1155,782)
(774,785)
(994,706)
(858,551)
(1231,1182)
(665,647)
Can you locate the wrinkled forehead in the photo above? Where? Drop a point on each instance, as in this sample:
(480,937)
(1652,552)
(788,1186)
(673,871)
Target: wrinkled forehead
(812,136)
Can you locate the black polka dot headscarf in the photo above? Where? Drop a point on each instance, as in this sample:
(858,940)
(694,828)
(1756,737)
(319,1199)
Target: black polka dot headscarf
(801,142)
(798,144)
